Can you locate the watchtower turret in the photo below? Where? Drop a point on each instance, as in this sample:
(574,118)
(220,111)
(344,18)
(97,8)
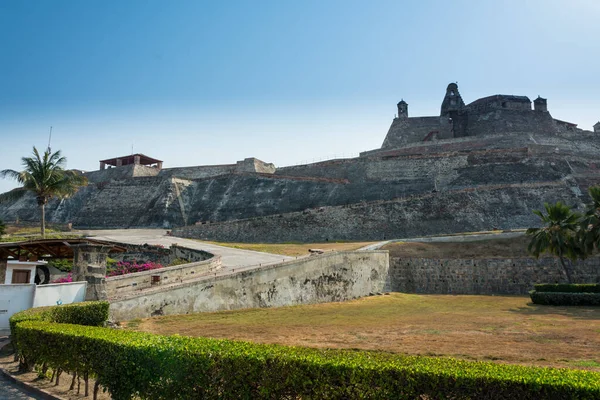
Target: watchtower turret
(402,109)
(452,101)
(597,127)
(540,104)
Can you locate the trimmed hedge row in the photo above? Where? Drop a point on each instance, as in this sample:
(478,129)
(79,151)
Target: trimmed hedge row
(135,364)
(568,288)
(565,299)
(90,313)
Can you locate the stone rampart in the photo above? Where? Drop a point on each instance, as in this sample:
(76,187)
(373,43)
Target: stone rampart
(325,278)
(117,286)
(473,209)
(410,130)
(484,275)
(199,172)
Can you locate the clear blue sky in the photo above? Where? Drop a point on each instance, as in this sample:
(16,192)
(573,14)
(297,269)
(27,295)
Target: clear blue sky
(199,82)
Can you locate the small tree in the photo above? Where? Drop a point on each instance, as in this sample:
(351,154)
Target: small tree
(2,227)
(46,178)
(558,236)
(590,223)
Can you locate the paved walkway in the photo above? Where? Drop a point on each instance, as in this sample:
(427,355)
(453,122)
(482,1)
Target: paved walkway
(10,391)
(231,258)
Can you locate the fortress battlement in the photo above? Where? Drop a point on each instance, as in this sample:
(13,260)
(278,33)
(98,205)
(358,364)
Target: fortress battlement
(493,115)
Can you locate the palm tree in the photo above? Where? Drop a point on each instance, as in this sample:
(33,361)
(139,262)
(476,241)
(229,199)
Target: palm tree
(590,224)
(46,178)
(559,236)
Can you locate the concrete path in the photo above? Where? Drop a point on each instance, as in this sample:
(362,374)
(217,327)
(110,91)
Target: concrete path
(231,258)
(8,389)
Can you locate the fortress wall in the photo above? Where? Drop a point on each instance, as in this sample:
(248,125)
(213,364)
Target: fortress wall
(198,172)
(117,286)
(503,121)
(238,196)
(326,278)
(123,204)
(483,276)
(57,210)
(483,208)
(120,173)
(410,130)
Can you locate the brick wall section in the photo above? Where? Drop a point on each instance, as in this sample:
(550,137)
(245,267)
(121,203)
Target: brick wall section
(482,276)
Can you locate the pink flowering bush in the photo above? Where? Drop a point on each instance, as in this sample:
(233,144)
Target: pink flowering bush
(126,267)
(67,279)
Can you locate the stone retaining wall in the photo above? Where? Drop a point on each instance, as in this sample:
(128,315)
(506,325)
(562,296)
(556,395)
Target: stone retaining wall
(469,210)
(482,276)
(131,283)
(326,278)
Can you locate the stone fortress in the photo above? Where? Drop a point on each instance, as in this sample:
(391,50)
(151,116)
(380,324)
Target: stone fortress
(478,166)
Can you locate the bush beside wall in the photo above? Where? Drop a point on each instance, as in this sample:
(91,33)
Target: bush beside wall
(565,299)
(134,364)
(568,288)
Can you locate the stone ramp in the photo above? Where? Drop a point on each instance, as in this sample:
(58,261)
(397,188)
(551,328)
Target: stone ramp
(232,259)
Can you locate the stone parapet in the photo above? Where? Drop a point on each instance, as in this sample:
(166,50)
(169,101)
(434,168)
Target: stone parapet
(330,277)
(131,283)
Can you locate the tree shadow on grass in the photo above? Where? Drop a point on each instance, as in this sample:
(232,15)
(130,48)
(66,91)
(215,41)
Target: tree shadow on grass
(577,312)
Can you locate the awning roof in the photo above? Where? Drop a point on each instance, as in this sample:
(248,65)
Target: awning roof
(49,248)
(126,160)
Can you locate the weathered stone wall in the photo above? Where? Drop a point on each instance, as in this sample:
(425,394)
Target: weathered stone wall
(164,256)
(483,276)
(120,173)
(199,172)
(117,286)
(326,278)
(475,209)
(410,130)
(147,201)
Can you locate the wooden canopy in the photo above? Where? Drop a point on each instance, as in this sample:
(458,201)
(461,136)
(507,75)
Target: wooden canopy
(138,158)
(48,248)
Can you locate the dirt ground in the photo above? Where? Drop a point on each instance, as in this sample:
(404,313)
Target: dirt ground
(505,329)
(62,390)
(490,248)
(295,249)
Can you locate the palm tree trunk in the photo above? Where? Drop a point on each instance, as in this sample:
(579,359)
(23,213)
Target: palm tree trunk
(567,272)
(43,211)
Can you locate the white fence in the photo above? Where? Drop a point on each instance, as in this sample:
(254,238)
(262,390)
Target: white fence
(15,298)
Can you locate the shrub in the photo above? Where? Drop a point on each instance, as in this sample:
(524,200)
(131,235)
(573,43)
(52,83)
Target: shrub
(565,298)
(568,288)
(67,279)
(61,264)
(178,261)
(92,313)
(126,267)
(141,365)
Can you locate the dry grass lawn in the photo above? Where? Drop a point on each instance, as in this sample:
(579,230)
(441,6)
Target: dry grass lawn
(501,328)
(295,249)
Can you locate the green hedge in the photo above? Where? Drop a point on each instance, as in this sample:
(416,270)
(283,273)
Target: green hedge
(140,365)
(90,313)
(568,288)
(565,299)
